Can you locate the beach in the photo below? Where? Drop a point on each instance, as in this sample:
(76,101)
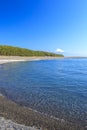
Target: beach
(17,117)
(7,59)
(10,125)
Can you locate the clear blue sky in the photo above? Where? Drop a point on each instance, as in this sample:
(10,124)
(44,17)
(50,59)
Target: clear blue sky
(45,25)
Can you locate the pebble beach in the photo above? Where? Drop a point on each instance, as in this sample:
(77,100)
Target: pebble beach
(10,125)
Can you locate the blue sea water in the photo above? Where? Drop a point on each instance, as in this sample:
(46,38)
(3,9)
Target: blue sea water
(54,87)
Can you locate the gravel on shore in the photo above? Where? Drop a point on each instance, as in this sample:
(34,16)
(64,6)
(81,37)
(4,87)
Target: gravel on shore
(10,125)
(29,119)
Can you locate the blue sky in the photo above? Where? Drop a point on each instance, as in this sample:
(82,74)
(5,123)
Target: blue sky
(47,25)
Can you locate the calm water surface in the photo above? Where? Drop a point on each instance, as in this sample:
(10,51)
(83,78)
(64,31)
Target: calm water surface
(54,87)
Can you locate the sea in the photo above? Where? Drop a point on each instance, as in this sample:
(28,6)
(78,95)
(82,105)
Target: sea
(57,88)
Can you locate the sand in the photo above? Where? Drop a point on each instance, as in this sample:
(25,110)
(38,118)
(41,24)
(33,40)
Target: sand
(7,59)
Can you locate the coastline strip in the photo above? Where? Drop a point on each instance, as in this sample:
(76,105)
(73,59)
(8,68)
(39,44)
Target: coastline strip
(7,59)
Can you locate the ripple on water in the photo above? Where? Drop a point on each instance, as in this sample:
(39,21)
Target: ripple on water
(54,87)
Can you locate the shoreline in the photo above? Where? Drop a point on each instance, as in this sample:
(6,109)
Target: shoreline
(9,121)
(8,59)
(7,124)
(29,119)
(27,116)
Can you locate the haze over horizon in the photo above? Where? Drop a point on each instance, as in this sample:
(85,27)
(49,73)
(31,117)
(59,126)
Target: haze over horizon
(49,25)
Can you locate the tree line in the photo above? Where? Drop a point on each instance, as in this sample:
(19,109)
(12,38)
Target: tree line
(17,51)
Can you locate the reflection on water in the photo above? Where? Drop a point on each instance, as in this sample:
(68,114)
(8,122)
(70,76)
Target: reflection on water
(54,87)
